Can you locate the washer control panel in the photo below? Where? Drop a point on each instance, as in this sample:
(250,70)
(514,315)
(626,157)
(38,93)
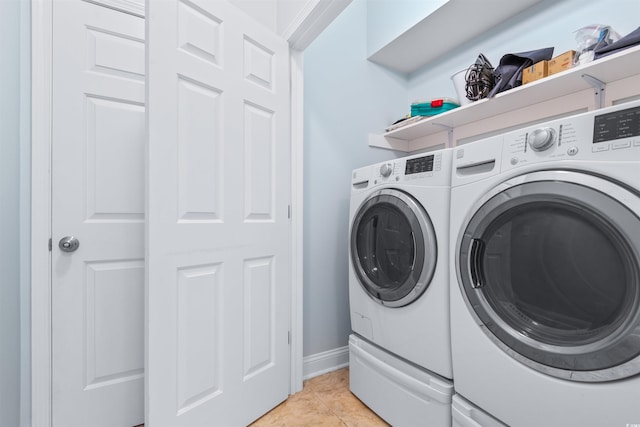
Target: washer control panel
(419,169)
(617,125)
(386,170)
(419,165)
(542,139)
(609,134)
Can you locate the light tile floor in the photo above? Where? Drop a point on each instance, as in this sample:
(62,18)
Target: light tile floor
(324,401)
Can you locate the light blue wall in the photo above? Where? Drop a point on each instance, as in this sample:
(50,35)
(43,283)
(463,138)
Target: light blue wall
(551,23)
(10,340)
(345,97)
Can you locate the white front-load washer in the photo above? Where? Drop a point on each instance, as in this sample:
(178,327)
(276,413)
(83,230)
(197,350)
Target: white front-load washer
(545,271)
(400,352)
(398,266)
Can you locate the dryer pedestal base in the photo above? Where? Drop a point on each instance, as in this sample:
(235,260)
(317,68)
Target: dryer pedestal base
(400,393)
(466,414)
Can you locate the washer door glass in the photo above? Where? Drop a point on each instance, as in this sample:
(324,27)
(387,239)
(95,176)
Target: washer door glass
(552,270)
(393,247)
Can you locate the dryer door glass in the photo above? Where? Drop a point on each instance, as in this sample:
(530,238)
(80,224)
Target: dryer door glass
(393,248)
(554,274)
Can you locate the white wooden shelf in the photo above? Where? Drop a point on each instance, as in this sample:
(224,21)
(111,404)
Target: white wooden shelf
(609,69)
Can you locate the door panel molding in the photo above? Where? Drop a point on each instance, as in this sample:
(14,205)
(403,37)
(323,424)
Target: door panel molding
(251,239)
(41,122)
(133,7)
(97,293)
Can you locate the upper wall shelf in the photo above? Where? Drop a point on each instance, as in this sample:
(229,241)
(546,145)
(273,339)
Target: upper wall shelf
(608,69)
(432,37)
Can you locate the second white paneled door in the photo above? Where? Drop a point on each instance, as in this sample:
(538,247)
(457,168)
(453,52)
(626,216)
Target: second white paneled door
(218,248)
(98,198)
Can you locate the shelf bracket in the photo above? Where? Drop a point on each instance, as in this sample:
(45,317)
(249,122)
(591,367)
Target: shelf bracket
(449,133)
(599,87)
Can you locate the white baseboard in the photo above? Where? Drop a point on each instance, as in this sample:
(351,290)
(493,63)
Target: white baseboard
(327,361)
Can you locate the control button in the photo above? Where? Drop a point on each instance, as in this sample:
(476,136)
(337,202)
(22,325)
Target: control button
(514,161)
(636,143)
(542,139)
(386,170)
(599,148)
(621,145)
(572,151)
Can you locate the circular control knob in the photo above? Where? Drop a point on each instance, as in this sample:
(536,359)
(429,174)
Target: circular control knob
(541,139)
(386,170)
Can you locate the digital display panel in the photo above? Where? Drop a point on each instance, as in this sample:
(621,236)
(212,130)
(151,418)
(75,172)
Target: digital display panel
(617,125)
(419,165)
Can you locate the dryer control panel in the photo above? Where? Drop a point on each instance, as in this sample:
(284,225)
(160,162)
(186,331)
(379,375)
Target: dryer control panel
(611,133)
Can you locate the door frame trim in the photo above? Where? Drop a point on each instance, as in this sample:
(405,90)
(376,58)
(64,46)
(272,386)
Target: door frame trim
(297,160)
(41,127)
(41,122)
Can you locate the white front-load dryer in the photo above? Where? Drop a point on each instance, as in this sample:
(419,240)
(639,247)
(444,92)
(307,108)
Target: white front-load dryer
(398,266)
(545,271)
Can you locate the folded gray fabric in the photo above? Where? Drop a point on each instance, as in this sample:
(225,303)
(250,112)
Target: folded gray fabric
(631,39)
(509,72)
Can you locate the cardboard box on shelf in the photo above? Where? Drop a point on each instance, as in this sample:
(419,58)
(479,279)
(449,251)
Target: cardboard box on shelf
(535,72)
(561,62)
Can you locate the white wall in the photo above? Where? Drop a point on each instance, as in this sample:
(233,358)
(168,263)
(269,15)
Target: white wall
(263,11)
(388,19)
(550,23)
(345,97)
(276,15)
(287,12)
(10,339)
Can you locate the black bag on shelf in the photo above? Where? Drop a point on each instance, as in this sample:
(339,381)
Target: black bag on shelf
(509,72)
(631,39)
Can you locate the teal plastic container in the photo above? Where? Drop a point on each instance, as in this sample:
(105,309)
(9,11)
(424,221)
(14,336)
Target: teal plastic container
(433,107)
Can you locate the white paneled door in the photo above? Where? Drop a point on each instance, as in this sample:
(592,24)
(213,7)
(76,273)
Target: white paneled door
(98,195)
(218,237)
